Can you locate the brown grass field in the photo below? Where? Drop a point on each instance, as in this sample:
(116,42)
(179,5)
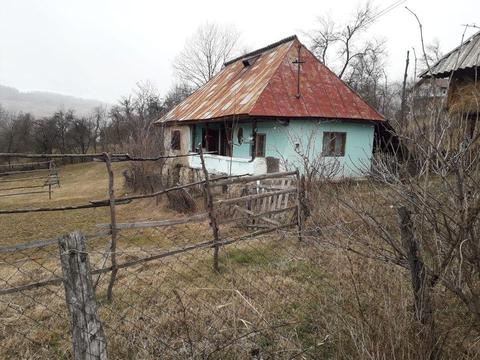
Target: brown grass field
(80,183)
(274,298)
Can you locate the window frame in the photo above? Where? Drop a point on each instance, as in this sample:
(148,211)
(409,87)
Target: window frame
(264,145)
(176,140)
(329,148)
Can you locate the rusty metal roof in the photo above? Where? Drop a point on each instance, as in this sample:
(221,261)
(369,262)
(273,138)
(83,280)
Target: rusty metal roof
(462,57)
(263,83)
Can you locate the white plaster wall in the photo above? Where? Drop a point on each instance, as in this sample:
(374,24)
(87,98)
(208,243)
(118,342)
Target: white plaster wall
(231,166)
(184,143)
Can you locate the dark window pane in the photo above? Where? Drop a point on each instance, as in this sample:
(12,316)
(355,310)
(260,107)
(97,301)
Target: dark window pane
(193,137)
(334,143)
(175,141)
(240,135)
(212,140)
(260,145)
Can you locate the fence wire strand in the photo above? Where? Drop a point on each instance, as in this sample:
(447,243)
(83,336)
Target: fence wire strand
(170,302)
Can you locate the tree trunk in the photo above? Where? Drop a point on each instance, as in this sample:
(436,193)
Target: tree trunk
(420,284)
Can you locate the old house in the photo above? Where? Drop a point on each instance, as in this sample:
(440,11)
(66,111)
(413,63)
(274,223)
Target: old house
(427,93)
(275,108)
(460,69)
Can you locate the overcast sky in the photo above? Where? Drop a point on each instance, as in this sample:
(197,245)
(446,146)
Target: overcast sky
(100,48)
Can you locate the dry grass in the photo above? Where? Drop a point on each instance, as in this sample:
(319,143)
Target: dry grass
(80,183)
(261,298)
(274,298)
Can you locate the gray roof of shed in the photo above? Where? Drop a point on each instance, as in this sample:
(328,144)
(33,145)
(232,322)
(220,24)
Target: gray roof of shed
(464,56)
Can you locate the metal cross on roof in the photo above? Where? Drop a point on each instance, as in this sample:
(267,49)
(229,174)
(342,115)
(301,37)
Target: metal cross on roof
(298,62)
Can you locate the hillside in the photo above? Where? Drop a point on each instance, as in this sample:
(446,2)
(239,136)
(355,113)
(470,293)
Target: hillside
(42,103)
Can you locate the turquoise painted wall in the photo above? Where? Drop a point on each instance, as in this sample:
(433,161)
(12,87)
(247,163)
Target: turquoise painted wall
(243,150)
(281,140)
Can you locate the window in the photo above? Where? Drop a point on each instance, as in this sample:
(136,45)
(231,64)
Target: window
(226,140)
(175,140)
(334,143)
(210,140)
(193,138)
(240,135)
(260,141)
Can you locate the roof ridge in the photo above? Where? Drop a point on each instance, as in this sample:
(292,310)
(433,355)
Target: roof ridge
(261,50)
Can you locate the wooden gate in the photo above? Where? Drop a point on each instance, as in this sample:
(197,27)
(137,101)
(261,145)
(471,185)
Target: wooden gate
(274,209)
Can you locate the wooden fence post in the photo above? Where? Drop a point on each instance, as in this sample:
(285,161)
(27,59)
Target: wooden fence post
(50,180)
(88,337)
(211,212)
(113,225)
(300,218)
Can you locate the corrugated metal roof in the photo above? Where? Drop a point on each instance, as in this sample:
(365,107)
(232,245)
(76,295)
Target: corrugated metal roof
(464,56)
(264,83)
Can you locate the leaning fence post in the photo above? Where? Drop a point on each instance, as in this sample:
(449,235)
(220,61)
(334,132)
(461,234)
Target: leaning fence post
(113,225)
(211,212)
(300,219)
(88,337)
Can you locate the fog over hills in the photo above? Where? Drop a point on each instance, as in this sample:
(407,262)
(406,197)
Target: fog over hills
(43,103)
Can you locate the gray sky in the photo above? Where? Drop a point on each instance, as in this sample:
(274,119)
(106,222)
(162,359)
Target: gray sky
(100,48)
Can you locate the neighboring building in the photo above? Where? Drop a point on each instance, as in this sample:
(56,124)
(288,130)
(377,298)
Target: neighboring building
(428,93)
(272,109)
(460,68)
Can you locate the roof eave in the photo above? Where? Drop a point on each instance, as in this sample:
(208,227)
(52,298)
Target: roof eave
(243,117)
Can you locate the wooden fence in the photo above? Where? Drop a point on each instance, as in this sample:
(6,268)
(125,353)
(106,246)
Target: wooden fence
(259,205)
(29,178)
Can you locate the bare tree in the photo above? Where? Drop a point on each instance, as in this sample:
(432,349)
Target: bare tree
(343,40)
(323,38)
(131,121)
(63,121)
(176,95)
(205,53)
(82,134)
(421,212)
(366,73)
(45,135)
(100,118)
(433,51)
(7,129)
(357,59)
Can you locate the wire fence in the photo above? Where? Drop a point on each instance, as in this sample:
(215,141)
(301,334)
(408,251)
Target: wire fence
(235,279)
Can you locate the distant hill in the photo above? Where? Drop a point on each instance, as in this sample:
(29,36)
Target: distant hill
(43,103)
